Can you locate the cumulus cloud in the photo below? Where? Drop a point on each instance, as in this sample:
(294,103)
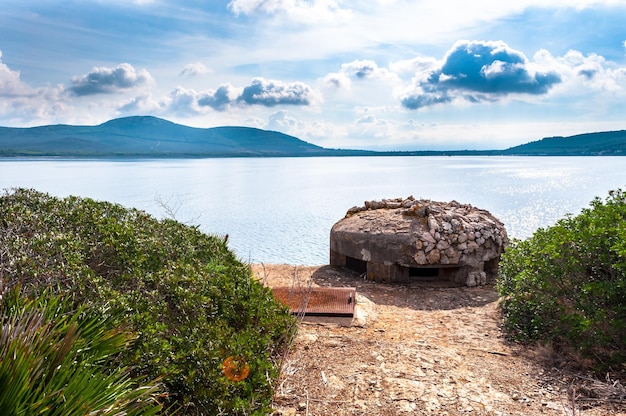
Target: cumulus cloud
(317,132)
(480,71)
(357,70)
(306,11)
(10,83)
(281,121)
(219,99)
(267,93)
(369,127)
(22,104)
(583,74)
(362,69)
(270,93)
(337,80)
(415,65)
(184,101)
(142,104)
(109,80)
(34,106)
(422,98)
(194,69)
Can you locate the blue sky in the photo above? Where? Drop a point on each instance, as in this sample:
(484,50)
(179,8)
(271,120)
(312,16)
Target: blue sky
(375,74)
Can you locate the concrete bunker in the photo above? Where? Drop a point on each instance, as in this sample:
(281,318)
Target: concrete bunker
(408,239)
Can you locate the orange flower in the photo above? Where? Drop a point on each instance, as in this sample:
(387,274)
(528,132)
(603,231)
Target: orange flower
(235,368)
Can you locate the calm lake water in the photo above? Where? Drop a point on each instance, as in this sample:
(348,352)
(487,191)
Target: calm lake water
(280,210)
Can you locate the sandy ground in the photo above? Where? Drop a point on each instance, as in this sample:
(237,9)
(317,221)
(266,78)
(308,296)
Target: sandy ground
(421,349)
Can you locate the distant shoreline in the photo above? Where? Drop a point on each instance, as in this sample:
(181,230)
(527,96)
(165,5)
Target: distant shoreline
(152,137)
(380,154)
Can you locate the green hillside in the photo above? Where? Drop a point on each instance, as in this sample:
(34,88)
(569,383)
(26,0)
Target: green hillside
(589,144)
(149,136)
(146,136)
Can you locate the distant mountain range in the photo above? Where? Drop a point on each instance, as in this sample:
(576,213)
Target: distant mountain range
(146,136)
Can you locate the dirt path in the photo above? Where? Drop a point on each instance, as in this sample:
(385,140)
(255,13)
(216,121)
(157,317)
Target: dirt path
(414,349)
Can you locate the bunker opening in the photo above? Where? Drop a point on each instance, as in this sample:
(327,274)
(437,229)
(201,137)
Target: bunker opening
(424,273)
(356,265)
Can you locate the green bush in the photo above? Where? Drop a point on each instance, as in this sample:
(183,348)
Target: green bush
(56,361)
(190,301)
(566,285)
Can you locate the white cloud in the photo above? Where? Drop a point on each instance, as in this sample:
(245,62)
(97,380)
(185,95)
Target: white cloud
(585,74)
(260,92)
(220,99)
(271,92)
(304,11)
(366,69)
(23,105)
(368,129)
(36,106)
(337,80)
(280,121)
(322,133)
(10,83)
(110,80)
(478,71)
(184,101)
(197,68)
(491,72)
(142,104)
(319,132)
(356,72)
(417,65)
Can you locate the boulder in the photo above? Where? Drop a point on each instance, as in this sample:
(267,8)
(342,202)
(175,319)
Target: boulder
(407,239)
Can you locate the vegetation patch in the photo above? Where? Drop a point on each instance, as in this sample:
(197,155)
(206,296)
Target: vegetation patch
(566,285)
(55,359)
(190,303)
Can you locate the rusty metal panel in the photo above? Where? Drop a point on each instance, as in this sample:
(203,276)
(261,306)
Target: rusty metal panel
(318,301)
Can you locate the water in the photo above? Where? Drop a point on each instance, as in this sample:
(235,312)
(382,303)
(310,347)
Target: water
(280,210)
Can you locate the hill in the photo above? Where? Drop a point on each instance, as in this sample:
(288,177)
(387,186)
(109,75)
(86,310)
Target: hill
(147,136)
(588,144)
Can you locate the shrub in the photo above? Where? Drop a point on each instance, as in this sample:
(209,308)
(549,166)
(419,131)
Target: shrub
(566,285)
(55,361)
(190,301)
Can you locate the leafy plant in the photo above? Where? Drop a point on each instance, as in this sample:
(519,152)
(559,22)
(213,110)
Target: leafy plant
(190,301)
(566,285)
(55,361)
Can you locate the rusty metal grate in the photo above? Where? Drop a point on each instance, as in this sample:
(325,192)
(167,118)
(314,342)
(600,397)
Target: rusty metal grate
(318,301)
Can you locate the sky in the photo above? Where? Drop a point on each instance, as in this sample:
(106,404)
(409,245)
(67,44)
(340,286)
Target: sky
(360,74)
